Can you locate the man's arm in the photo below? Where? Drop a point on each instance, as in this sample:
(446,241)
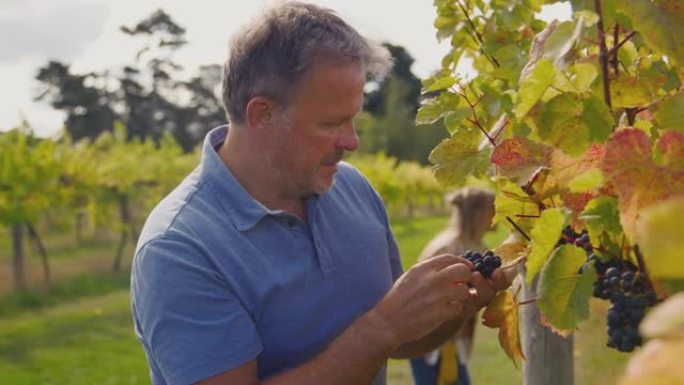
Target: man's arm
(418,303)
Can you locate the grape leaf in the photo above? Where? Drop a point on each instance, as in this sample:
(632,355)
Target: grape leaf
(564,293)
(586,181)
(440,81)
(576,202)
(455,159)
(631,92)
(577,78)
(545,234)
(641,182)
(517,158)
(659,362)
(570,122)
(602,214)
(511,251)
(511,202)
(670,113)
(659,234)
(658,24)
(562,41)
(533,87)
(671,146)
(435,109)
(502,313)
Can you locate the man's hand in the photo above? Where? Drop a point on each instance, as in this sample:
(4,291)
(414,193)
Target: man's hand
(425,296)
(483,291)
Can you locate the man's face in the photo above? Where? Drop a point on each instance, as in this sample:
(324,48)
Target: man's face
(313,132)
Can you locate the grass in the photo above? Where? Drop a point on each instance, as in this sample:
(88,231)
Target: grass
(89,341)
(63,291)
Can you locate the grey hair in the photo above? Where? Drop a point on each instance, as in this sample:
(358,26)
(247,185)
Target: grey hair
(270,56)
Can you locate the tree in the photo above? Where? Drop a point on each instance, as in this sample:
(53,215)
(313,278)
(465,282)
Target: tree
(389,127)
(149,95)
(88,107)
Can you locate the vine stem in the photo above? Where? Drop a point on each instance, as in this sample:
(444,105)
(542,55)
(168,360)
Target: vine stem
(613,53)
(521,231)
(603,55)
(613,50)
(476,121)
(642,266)
(478,36)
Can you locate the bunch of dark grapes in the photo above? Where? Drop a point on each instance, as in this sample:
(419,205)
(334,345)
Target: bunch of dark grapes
(626,288)
(621,283)
(581,240)
(485,263)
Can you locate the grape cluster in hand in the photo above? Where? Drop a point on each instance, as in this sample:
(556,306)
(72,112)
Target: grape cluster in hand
(485,263)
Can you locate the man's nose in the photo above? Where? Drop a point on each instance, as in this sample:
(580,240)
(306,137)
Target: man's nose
(348,139)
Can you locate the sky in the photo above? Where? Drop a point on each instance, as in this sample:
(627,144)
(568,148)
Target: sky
(85,33)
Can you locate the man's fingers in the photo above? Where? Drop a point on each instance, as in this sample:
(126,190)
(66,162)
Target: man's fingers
(485,290)
(500,280)
(444,260)
(455,274)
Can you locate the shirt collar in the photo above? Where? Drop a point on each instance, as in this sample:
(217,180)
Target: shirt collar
(243,210)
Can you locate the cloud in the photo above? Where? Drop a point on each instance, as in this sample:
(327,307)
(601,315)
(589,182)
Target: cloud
(49,31)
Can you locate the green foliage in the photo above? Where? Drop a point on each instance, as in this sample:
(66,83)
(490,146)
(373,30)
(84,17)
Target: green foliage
(545,235)
(406,188)
(564,292)
(593,128)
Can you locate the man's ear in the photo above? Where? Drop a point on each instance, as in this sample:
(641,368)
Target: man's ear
(260,112)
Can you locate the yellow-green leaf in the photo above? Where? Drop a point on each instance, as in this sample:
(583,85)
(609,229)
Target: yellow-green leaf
(587,181)
(502,313)
(661,24)
(670,114)
(533,87)
(545,235)
(660,234)
(564,292)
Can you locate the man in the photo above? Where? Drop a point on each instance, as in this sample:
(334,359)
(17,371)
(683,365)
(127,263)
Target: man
(273,263)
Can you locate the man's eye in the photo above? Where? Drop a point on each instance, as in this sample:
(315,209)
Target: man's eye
(335,123)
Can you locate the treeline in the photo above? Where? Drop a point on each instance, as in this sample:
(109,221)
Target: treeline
(152,96)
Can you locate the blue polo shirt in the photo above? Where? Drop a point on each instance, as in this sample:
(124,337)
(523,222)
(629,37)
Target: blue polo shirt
(218,279)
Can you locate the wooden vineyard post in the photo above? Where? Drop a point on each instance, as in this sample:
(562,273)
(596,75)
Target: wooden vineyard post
(548,356)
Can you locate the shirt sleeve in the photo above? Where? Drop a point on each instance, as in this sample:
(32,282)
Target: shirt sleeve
(189,320)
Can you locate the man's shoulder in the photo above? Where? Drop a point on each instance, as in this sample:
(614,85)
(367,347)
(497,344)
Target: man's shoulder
(350,176)
(183,208)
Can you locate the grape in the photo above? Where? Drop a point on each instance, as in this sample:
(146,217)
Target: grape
(629,294)
(484,263)
(620,282)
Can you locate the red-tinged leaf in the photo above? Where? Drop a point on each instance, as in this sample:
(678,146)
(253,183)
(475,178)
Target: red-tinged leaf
(518,158)
(671,145)
(564,169)
(638,180)
(455,160)
(576,202)
(502,313)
